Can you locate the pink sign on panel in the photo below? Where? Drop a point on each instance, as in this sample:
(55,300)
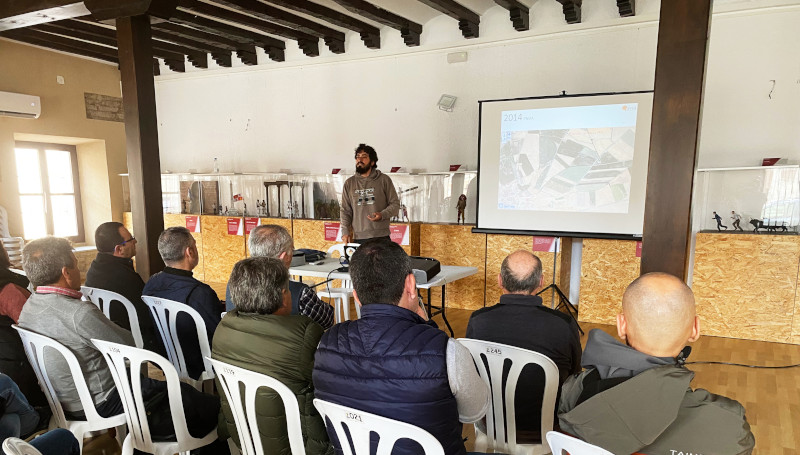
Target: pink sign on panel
(333,231)
(638,249)
(235,226)
(193,223)
(399,234)
(250,224)
(548,244)
(454,167)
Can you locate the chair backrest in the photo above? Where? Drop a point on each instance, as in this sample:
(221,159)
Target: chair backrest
(165,314)
(16,446)
(102,299)
(360,424)
(562,444)
(231,378)
(129,385)
(490,358)
(35,345)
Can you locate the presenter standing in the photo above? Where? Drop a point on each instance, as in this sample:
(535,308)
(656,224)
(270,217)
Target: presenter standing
(369,199)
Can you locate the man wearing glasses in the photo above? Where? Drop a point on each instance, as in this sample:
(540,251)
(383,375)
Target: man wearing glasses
(113,270)
(369,200)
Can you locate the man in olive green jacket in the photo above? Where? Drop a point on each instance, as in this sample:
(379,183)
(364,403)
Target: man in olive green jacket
(636,397)
(261,335)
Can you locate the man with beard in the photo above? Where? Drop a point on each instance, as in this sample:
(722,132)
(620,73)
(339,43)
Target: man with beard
(369,199)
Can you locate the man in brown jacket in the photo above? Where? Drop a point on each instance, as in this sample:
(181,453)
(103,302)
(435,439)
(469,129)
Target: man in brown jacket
(369,199)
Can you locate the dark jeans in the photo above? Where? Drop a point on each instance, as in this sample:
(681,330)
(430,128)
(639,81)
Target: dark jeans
(201,411)
(57,442)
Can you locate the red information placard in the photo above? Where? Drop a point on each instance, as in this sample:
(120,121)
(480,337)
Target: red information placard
(250,224)
(399,234)
(235,226)
(638,249)
(548,244)
(193,223)
(333,231)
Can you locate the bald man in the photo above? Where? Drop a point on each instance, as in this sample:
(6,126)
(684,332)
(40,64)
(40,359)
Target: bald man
(635,397)
(521,320)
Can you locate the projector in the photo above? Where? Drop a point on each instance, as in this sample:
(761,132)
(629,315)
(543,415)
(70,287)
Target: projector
(424,269)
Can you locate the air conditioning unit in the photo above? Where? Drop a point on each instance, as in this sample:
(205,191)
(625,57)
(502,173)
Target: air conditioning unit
(19,105)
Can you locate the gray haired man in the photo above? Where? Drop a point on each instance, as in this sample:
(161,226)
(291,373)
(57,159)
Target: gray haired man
(178,249)
(273,241)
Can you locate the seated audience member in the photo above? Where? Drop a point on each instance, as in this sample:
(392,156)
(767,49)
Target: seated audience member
(286,345)
(56,310)
(17,417)
(113,270)
(273,241)
(521,320)
(178,249)
(13,361)
(391,362)
(636,397)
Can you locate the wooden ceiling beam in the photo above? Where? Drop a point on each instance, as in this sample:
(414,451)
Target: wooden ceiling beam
(85,49)
(82,30)
(626,8)
(572,10)
(23,13)
(245,51)
(309,44)
(220,55)
(370,35)
(113,9)
(518,13)
(334,39)
(273,47)
(410,31)
(468,20)
(174,60)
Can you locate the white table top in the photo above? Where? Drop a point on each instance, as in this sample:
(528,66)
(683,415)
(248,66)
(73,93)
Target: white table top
(448,274)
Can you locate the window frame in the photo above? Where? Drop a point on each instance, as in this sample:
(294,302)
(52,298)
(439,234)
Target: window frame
(41,148)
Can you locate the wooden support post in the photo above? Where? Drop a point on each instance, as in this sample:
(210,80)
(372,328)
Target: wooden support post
(141,133)
(680,70)
(565,265)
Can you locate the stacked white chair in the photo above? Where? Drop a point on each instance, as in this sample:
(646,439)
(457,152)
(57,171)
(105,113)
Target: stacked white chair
(128,383)
(340,296)
(231,378)
(165,314)
(4,233)
(490,359)
(360,424)
(13,246)
(562,444)
(102,299)
(35,346)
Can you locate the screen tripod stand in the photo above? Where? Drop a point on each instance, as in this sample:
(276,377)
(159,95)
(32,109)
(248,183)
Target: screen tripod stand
(563,301)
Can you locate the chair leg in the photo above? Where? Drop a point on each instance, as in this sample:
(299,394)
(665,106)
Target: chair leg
(358,309)
(346,307)
(337,309)
(127,445)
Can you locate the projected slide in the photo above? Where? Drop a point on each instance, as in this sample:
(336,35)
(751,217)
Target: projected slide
(567,159)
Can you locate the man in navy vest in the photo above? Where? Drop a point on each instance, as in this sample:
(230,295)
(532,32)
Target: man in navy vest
(392,362)
(274,241)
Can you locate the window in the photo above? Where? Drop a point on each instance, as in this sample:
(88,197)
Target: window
(49,193)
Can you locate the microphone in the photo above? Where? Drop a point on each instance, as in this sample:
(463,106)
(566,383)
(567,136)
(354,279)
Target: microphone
(684,354)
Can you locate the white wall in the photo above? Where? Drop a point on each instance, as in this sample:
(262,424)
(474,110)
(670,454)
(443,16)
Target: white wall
(307,115)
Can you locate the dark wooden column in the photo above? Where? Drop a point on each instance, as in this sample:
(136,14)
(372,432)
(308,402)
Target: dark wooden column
(680,70)
(141,133)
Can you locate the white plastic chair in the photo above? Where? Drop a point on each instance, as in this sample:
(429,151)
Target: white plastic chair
(341,296)
(360,424)
(102,299)
(567,445)
(165,314)
(16,446)
(129,384)
(35,345)
(244,411)
(505,430)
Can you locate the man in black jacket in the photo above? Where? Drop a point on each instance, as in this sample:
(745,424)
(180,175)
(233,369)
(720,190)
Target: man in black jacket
(521,320)
(113,270)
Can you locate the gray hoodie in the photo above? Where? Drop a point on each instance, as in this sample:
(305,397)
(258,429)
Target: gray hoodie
(652,412)
(362,196)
